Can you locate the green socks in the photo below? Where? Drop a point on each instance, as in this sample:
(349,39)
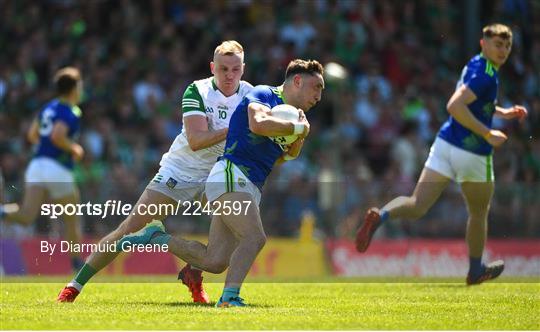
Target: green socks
(85,274)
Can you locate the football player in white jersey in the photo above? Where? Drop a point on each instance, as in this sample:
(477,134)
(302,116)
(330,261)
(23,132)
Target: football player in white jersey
(207,106)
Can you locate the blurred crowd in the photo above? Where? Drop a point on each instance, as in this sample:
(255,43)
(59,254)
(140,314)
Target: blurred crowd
(370,134)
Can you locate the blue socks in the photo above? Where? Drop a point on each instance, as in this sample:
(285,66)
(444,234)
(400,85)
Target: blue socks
(160,238)
(229,293)
(475,266)
(76,263)
(384,216)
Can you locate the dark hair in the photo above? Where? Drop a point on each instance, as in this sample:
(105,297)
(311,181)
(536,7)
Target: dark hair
(299,66)
(66,80)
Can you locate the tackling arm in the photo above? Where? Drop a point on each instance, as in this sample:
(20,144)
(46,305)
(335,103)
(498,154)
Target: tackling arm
(198,135)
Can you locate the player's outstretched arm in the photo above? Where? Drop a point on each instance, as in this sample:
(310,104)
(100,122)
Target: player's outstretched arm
(458,107)
(198,135)
(261,122)
(516,111)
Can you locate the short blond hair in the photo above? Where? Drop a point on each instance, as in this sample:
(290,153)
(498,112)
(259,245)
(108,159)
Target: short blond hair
(229,47)
(497,30)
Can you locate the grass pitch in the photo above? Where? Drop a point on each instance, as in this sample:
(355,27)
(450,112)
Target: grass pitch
(283,306)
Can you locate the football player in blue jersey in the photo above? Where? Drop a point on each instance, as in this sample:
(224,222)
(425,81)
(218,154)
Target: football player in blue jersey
(236,180)
(463,152)
(50,172)
(207,107)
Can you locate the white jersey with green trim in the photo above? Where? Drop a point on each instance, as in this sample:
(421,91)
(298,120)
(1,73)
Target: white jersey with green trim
(202,98)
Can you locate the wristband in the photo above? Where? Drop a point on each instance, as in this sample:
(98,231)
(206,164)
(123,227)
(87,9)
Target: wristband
(299,128)
(487,135)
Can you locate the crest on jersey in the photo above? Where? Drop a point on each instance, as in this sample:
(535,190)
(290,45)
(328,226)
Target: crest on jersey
(242,182)
(171,183)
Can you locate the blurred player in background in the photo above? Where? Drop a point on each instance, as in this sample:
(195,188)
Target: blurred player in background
(463,152)
(238,177)
(50,173)
(207,107)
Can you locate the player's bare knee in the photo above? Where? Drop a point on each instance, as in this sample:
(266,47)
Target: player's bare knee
(258,241)
(255,241)
(419,212)
(217,267)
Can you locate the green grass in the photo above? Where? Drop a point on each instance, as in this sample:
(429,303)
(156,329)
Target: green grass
(311,306)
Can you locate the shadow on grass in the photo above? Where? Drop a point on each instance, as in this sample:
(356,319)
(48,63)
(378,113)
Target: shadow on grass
(195,305)
(450,285)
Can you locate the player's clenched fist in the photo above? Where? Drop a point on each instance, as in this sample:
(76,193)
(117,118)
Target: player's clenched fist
(303,120)
(495,137)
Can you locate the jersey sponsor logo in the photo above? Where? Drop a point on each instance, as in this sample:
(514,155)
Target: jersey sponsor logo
(279,140)
(171,183)
(488,109)
(222,111)
(471,142)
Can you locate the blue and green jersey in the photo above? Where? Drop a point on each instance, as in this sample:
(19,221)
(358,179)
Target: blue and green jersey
(53,112)
(479,75)
(255,155)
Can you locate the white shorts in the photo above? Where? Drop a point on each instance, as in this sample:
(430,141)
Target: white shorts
(176,186)
(53,176)
(458,164)
(227,177)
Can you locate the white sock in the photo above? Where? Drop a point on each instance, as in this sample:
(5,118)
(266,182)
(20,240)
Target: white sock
(75,285)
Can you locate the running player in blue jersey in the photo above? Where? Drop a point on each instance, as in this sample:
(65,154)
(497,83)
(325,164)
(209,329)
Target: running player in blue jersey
(463,152)
(238,177)
(50,172)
